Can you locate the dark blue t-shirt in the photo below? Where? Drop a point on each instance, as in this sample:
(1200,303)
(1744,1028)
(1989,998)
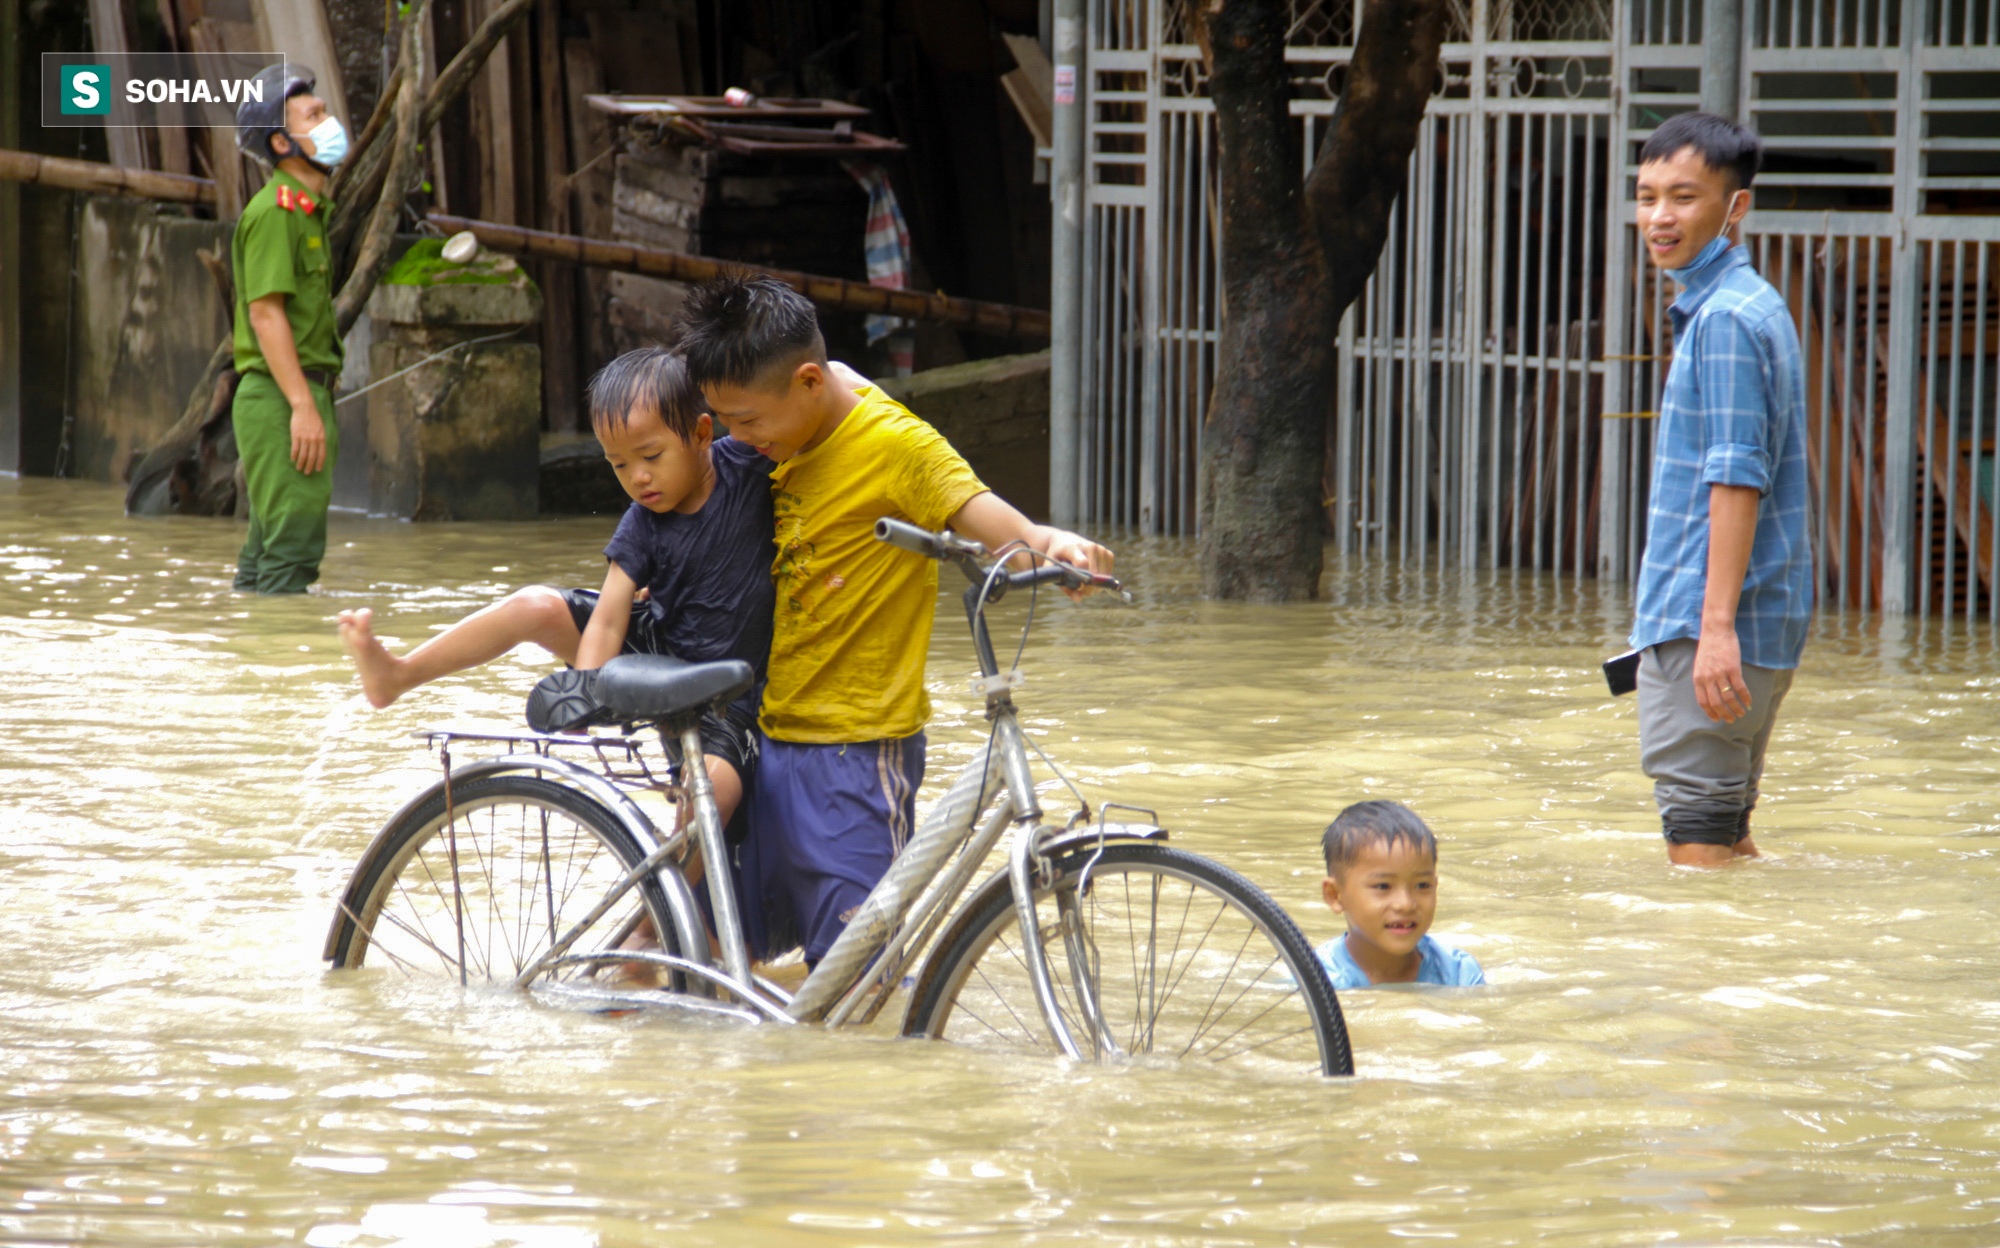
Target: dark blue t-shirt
(710,570)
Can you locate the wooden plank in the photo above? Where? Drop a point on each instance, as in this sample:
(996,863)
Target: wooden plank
(561,404)
(638,51)
(688,15)
(636,103)
(1031,85)
(237,177)
(635,200)
(111,35)
(300,32)
(439,166)
(176,142)
(627,228)
(492,125)
(679,184)
(589,182)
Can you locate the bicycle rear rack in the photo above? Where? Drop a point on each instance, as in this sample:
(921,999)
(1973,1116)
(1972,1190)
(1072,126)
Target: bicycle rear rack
(621,759)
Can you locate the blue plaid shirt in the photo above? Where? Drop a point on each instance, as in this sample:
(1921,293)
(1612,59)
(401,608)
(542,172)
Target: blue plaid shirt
(1734,413)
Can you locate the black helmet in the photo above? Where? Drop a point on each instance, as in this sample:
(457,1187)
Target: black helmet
(262,113)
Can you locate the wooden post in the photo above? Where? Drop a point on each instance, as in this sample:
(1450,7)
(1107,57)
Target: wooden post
(10,242)
(111,35)
(492,127)
(589,178)
(175,141)
(559,337)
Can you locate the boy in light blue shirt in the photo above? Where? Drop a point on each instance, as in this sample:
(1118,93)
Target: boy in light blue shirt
(1381,875)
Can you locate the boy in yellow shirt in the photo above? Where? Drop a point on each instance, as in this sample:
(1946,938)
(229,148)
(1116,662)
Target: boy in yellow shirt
(841,728)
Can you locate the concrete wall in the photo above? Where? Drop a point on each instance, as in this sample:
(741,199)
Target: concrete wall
(146,316)
(996,412)
(455,437)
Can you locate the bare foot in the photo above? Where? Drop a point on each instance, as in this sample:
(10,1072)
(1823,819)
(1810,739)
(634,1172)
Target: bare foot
(377,667)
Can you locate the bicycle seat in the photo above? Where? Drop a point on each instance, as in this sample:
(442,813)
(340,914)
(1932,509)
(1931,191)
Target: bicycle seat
(635,687)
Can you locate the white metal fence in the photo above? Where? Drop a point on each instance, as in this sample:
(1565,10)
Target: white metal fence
(1498,374)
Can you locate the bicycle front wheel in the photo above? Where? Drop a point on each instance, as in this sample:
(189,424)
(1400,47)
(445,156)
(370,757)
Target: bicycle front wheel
(476,896)
(1152,951)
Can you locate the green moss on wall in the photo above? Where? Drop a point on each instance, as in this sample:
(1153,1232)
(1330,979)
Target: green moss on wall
(424,265)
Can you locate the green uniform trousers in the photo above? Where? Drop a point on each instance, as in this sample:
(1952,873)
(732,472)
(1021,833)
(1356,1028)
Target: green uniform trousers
(287,507)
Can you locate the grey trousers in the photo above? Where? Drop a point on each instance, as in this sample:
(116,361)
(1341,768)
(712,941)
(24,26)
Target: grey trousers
(1705,773)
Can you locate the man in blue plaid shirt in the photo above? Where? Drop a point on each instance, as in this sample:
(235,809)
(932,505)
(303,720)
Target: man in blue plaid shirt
(1725,592)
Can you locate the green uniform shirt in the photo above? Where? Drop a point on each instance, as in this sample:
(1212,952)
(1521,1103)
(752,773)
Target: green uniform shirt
(280,248)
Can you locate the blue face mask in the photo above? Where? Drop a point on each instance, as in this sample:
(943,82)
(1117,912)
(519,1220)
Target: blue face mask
(1716,246)
(329,139)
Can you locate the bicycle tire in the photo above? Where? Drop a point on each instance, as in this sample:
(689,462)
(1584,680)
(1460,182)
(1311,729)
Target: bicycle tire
(533,857)
(1204,1000)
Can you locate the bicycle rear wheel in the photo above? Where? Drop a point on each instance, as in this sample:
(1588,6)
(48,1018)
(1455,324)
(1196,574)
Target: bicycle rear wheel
(476,898)
(1187,959)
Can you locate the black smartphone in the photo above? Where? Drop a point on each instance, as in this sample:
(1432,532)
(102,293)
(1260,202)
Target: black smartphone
(1622,672)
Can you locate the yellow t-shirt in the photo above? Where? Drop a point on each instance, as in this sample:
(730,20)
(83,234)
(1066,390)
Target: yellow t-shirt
(854,614)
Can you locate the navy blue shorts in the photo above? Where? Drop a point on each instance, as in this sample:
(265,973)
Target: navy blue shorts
(825,821)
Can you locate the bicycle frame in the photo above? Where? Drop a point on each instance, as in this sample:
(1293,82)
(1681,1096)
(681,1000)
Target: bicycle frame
(895,924)
(841,985)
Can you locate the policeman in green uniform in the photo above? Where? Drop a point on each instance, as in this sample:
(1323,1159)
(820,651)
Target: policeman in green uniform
(288,348)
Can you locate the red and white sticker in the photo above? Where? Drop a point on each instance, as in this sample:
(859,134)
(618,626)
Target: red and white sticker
(1065,84)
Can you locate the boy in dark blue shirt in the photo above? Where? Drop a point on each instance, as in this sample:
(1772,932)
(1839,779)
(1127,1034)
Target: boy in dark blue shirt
(696,540)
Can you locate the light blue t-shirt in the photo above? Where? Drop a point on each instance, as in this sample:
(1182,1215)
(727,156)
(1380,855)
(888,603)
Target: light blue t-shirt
(1442,964)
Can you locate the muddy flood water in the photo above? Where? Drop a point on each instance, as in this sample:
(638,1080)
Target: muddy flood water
(1801,1051)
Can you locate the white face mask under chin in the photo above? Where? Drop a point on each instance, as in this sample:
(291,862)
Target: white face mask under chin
(329,140)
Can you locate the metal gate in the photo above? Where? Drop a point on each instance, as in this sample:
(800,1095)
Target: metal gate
(1498,374)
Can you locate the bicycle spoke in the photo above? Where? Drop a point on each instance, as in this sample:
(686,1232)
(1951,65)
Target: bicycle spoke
(404,963)
(1191,977)
(1221,983)
(447,903)
(1001,997)
(476,892)
(1215,1050)
(1249,985)
(1180,932)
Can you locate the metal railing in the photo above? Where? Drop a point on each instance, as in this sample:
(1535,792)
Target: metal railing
(1498,375)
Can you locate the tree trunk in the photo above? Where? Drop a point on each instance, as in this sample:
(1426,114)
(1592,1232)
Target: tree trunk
(1294,256)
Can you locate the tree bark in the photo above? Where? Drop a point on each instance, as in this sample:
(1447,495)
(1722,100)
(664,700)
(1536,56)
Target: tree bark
(373,256)
(1295,254)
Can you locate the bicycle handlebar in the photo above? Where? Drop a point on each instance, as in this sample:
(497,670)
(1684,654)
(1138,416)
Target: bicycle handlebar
(943,546)
(948,547)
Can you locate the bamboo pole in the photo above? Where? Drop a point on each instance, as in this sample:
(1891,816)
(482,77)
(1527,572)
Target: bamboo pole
(88,175)
(1000,319)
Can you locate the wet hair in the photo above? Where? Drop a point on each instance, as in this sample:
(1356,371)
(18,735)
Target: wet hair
(1722,145)
(740,328)
(1367,824)
(651,377)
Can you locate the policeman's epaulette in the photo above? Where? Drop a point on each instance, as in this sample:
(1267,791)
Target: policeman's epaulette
(292,201)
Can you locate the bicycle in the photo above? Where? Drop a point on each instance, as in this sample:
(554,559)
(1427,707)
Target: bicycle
(498,873)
